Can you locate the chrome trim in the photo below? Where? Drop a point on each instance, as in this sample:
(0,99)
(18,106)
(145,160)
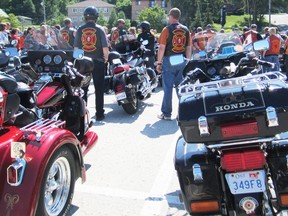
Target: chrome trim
(272,119)
(263,79)
(203,126)
(197,173)
(19,165)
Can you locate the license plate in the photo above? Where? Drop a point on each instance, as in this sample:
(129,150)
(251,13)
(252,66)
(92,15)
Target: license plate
(121,96)
(246,182)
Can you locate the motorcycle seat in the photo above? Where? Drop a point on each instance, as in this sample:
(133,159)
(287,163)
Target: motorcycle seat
(8,83)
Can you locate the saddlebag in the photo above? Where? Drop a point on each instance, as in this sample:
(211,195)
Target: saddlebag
(243,107)
(198,177)
(277,160)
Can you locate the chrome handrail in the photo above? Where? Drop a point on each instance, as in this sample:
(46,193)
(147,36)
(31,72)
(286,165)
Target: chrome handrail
(263,79)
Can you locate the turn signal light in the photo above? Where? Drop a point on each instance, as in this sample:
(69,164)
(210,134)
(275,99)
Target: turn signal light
(12,175)
(284,199)
(205,206)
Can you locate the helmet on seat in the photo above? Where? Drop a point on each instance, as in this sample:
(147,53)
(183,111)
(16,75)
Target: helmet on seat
(91,12)
(145,25)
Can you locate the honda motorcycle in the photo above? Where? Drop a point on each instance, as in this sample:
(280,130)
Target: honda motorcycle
(232,156)
(130,79)
(42,158)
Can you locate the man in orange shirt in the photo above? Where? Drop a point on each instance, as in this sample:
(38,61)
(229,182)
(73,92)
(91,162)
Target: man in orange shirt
(174,42)
(286,54)
(272,54)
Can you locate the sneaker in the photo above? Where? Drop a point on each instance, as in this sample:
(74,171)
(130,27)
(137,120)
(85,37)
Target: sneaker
(162,116)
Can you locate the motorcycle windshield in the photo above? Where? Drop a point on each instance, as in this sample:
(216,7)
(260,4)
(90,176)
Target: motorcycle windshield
(217,45)
(46,38)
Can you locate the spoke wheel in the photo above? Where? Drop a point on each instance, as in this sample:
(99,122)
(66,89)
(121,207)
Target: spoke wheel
(58,184)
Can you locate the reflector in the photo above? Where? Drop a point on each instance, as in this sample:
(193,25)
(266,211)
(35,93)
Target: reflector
(240,160)
(239,129)
(205,206)
(12,176)
(284,199)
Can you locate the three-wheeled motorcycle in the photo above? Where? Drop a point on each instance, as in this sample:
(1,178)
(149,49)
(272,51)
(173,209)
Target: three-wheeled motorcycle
(42,158)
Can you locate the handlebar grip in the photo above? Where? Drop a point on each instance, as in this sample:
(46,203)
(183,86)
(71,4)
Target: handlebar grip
(266,64)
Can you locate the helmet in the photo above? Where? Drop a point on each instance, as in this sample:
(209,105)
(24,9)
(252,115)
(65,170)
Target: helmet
(145,25)
(113,55)
(91,12)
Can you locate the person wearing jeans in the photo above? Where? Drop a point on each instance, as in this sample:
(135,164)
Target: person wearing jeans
(174,41)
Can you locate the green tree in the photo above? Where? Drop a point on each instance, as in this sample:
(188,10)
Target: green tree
(101,19)
(14,20)
(155,15)
(112,19)
(125,6)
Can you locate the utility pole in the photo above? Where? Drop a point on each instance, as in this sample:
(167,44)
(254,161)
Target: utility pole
(269,13)
(44,10)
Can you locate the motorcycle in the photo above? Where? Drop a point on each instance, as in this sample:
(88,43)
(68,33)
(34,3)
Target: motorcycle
(41,160)
(130,79)
(231,157)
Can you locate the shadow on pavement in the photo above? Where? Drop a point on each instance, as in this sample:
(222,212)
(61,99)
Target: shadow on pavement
(160,128)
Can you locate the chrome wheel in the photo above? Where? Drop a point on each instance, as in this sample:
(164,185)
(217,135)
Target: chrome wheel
(57,186)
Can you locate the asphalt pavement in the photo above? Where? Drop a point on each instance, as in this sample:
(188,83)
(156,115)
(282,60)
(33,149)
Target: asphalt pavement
(130,171)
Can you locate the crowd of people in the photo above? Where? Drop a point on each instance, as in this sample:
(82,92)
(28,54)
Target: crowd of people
(175,39)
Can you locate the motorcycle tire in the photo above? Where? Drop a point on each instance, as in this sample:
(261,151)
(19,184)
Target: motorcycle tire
(131,107)
(58,182)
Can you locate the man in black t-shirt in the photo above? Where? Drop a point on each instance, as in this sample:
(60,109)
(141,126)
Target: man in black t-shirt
(92,39)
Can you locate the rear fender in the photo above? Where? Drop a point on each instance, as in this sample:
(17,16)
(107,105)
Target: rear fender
(23,198)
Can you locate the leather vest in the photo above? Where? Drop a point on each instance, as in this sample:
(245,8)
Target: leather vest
(67,34)
(90,40)
(178,39)
(274,48)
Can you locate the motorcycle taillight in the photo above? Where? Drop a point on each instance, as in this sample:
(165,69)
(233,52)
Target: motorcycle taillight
(120,69)
(239,129)
(240,160)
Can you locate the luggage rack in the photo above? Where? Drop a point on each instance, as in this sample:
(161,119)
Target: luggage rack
(200,88)
(42,126)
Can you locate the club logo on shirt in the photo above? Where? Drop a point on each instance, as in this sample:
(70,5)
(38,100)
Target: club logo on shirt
(115,36)
(179,40)
(65,35)
(89,39)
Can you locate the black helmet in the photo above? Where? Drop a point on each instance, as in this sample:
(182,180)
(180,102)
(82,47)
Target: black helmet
(113,55)
(91,12)
(145,25)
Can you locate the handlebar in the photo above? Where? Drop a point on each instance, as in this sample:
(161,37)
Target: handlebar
(265,63)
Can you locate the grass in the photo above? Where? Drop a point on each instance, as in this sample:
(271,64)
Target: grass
(232,21)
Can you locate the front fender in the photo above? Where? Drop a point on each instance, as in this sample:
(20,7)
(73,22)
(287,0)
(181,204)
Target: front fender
(22,199)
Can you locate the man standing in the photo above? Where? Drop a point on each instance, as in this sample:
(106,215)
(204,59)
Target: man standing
(92,39)
(68,32)
(251,36)
(272,54)
(117,32)
(174,41)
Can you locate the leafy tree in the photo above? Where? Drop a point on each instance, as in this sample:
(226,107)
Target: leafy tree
(125,6)
(155,15)
(13,20)
(101,19)
(112,19)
